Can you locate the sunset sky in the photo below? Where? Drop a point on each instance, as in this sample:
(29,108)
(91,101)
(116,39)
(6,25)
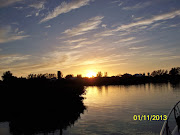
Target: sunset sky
(82,36)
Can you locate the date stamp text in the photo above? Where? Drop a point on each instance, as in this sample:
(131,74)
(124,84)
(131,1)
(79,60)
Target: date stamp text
(150,117)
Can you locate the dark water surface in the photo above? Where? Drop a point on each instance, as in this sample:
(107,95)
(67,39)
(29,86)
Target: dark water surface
(110,110)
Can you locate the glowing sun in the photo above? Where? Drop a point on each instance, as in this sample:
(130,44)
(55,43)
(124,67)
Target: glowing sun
(91,74)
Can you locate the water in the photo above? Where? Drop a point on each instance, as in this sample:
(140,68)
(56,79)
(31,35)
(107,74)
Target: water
(110,110)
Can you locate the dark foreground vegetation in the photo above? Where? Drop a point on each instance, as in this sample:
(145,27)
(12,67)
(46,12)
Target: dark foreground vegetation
(38,105)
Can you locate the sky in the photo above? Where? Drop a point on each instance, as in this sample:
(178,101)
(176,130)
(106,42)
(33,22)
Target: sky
(82,36)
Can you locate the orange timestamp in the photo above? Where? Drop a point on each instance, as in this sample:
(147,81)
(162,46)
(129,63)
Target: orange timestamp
(149,117)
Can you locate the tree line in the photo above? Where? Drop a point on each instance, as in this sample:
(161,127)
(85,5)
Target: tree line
(160,75)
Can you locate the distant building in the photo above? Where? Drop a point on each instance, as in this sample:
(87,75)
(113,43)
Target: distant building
(59,74)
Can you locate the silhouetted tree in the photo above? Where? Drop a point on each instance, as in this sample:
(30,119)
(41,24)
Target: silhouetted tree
(69,76)
(159,72)
(174,71)
(7,76)
(99,74)
(46,75)
(31,76)
(119,75)
(126,75)
(79,76)
(105,74)
(49,76)
(60,75)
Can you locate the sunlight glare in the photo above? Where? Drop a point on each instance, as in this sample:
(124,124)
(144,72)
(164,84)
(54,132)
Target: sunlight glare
(91,74)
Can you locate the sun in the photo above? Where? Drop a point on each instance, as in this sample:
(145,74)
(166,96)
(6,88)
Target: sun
(91,74)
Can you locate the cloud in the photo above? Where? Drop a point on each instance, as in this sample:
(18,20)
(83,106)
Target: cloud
(8,59)
(156,25)
(105,33)
(84,27)
(12,38)
(104,25)
(75,40)
(87,42)
(5,3)
(129,41)
(170,57)
(48,26)
(125,40)
(29,63)
(38,5)
(51,60)
(137,6)
(7,35)
(18,8)
(65,7)
(101,59)
(116,1)
(119,2)
(152,20)
(142,24)
(20,32)
(171,26)
(137,48)
(80,42)
(28,15)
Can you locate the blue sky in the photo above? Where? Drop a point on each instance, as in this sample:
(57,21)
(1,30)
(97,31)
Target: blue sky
(81,36)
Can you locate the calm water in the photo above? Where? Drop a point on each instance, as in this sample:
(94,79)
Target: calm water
(110,110)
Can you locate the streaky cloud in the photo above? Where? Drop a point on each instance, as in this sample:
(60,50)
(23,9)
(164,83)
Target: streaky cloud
(84,27)
(6,35)
(137,6)
(152,20)
(5,3)
(8,59)
(170,57)
(28,15)
(48,26)
(138,25)
(137,48)
(105,33)
(84,43)
(65,7)
(75,40)
(125,40)
(38,5)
